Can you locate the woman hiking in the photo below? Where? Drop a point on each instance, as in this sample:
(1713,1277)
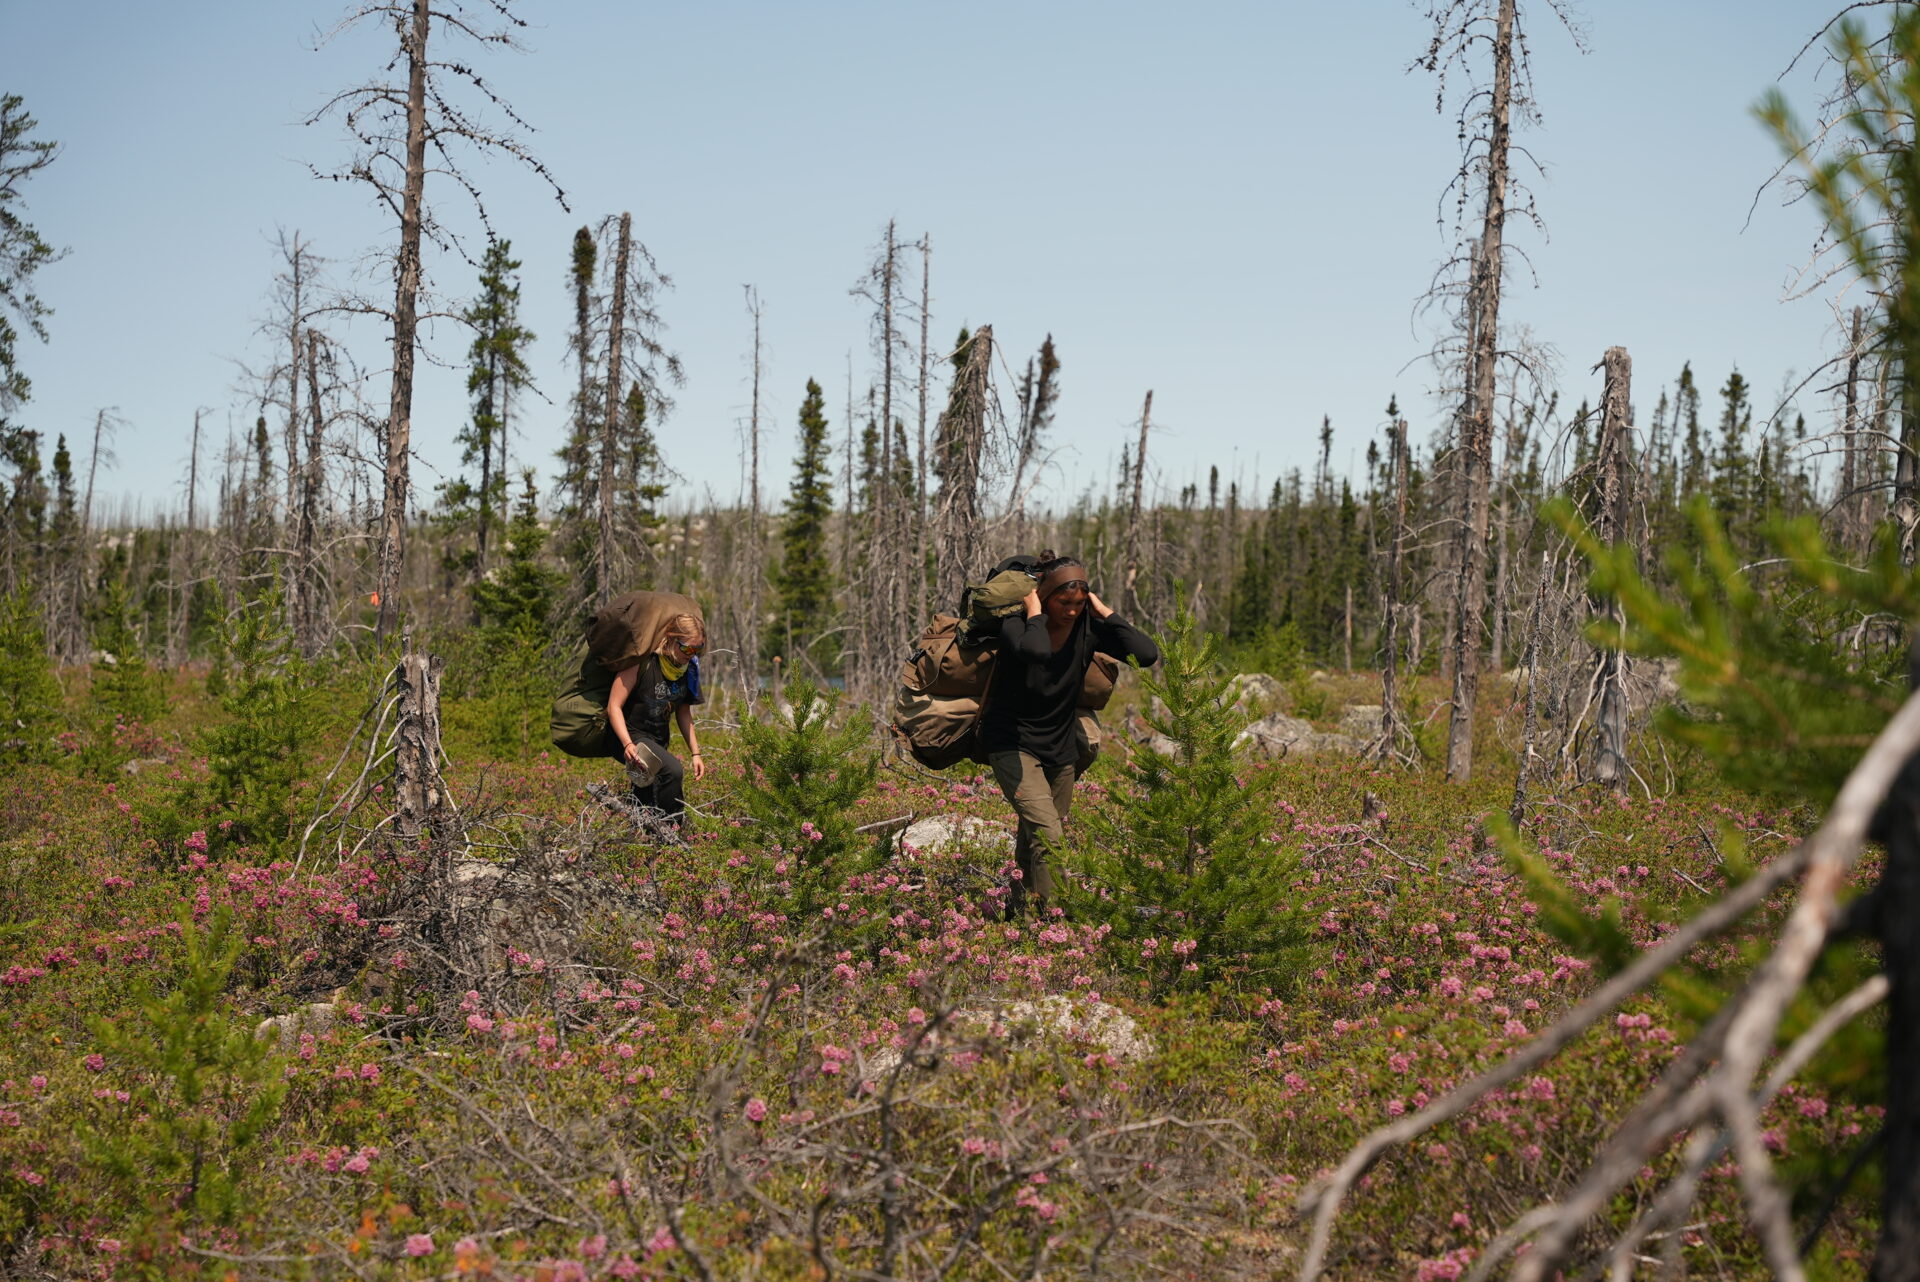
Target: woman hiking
(1027,727)
(655,640)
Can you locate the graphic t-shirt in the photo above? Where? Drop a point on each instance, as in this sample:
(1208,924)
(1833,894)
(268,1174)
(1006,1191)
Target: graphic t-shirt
(649,709)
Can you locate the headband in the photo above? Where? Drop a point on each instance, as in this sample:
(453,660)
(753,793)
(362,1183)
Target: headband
(1062,576)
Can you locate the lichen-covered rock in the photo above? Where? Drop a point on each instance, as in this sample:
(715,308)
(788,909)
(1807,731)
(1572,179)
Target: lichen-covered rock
(1362,720)
(315,1018)
(1087,1024)
(1256,692)
(942,834)
(1279,735)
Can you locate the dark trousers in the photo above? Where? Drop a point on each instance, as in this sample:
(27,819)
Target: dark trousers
(1041,796)
(667,793)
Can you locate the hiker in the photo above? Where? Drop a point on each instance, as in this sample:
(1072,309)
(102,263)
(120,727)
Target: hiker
(657,686)
(1027,726)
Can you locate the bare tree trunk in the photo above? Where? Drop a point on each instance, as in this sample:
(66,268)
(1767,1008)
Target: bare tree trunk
(1906,474)
(393,518)
(846,507)
(1611,511)
(1132,590)
(420,800)
(1346,652)
(920,462)
(1502,536)
(1852,529)
(1530,722)
(960,442)
(756,545)
(1391,728)
(603,556)
(496,412)
(306,587)
(1476,419)
(296,262)
(186,571)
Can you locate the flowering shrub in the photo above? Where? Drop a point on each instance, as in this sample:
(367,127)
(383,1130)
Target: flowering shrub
(719,1067)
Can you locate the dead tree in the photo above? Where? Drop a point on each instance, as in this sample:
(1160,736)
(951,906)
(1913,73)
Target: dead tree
(1132,594)
(922,386)
(309,613)
(421,803)
(892,582)
(615,384)
(1039,393)
(749,638)
(1393,727)
(959,452)
(1853,523)
(639,371)
(1486,129)
(394,126)
(293,283)
(1610,505)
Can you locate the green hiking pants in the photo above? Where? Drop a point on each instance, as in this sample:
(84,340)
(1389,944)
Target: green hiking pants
(1041,796)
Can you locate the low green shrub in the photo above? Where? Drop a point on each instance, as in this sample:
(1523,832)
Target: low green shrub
(804,774)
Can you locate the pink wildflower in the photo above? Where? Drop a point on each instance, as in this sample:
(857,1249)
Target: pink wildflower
(756,1110)
(420,1244)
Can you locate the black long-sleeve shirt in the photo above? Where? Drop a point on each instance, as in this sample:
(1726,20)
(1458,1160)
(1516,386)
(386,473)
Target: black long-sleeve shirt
(1030,705)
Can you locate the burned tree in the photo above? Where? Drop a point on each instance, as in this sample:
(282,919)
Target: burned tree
(396,124)
(1131,581)
(1609,512)
(960,445)
(1486,120)
(638,371)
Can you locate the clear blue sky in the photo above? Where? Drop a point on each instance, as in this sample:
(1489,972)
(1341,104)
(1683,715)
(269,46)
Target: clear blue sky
(1234,204)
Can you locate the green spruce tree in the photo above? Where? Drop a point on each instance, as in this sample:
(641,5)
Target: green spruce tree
(1181,862)
(804,580)
(30,698)
(498,371)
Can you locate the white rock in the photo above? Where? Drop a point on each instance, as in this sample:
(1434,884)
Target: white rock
(1256,692)
(942,834)
(285,1029)
(1280,736)
(1362,720)
(1085,1022)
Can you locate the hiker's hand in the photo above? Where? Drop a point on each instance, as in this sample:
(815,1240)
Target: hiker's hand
(1100,608)
(1033,603)
(699,766)
(632,754)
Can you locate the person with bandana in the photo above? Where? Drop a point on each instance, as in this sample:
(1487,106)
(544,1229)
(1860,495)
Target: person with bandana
(648,692)
(1027,725)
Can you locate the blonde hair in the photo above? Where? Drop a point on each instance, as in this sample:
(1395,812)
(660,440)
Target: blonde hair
(686,629)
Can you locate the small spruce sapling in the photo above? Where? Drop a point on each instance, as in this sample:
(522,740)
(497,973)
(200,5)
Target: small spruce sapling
(804,774)
(125,691)
(30,697)
(515,603)
(1180,863)
(255,757)
(202,1090)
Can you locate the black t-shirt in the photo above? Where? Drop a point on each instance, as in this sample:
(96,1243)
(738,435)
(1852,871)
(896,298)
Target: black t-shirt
(1030,705)
(649,709)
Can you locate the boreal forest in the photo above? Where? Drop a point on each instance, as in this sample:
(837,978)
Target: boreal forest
(1508,867)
